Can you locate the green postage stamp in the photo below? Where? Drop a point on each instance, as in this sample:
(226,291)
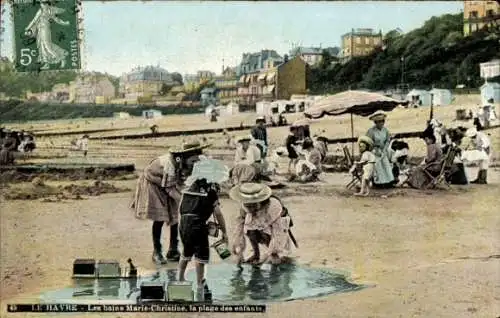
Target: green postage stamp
(46,35)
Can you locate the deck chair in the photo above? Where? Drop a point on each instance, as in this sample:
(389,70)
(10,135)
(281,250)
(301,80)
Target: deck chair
(356,177)
(446,168)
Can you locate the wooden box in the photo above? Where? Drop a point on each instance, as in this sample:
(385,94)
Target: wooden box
(180,291)
(152,291)
(108,269)
(84,268)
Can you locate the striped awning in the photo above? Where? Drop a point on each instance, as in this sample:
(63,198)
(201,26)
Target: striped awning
(262,77)
(242,79)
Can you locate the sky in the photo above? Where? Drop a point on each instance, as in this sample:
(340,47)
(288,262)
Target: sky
(186,37)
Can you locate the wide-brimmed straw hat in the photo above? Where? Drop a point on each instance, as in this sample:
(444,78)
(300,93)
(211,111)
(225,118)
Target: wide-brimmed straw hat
(250,193)
(190,146)
(367,140)
(378,115)
(471,132)
(243,138)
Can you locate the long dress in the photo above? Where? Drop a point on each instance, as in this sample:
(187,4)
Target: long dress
(48,51)
(152,199)
(383,167)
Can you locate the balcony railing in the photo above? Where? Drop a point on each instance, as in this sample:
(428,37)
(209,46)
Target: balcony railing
(485,19)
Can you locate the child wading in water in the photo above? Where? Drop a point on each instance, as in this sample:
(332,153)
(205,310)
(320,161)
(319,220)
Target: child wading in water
(199,202)
(367,162)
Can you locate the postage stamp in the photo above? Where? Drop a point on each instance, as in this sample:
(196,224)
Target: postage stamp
(46,35)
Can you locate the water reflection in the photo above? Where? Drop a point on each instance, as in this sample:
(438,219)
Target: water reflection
(262,284)
(228,283)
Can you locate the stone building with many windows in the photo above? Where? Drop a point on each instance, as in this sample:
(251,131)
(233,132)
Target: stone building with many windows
(481,14)
(145,82)
(360,42)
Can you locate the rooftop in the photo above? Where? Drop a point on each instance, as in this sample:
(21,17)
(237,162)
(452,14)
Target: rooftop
(363,32)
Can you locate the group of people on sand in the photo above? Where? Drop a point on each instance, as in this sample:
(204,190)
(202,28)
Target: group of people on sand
(172,190)
(12,142)
(380,165)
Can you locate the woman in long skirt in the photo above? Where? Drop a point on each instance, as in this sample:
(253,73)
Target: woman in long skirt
(381,141)
(158,195)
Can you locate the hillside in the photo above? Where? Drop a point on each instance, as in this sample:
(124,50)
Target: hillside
(435,54)
(15,84)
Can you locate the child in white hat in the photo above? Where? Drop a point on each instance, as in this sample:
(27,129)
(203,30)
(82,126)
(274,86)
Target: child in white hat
(367,163)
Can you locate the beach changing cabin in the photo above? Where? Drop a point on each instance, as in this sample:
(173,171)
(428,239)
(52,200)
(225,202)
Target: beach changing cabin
(151,113)
(264,108)
(490,90)
(419,97)
(232,108)
(441,97)
(121,115)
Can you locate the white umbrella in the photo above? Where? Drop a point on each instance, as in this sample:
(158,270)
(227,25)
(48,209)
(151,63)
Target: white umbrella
(214,171)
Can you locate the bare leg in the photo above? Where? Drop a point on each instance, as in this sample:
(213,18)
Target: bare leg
(182,269)
(252,236)
(200,273)
(363,187)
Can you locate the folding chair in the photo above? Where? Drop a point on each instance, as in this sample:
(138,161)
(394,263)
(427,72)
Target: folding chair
(446,168)
(356,177)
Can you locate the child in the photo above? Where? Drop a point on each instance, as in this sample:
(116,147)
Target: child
(290,144)
(199,202)
(367,162)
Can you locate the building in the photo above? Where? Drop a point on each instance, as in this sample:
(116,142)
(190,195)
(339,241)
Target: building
(360,42)
(91,89)
(279,82)
(255,62)
(481,14)
(291,78)
(227,86)
(151,113)
(145,81)
(313,55)
(489,69)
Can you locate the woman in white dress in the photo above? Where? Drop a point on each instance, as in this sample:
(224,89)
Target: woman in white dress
(39,27)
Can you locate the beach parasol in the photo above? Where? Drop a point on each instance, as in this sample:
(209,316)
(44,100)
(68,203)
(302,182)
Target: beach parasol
(352,102)
(214,171)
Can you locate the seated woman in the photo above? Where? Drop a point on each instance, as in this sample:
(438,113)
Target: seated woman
(419,177)
(309,168)
(264,220)
(248,161)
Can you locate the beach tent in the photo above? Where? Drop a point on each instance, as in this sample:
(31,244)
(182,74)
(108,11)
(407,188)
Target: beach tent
(490,90)
(151,113)
(264,108)
(419,97)
(121,115)
(441,97)
(232,109)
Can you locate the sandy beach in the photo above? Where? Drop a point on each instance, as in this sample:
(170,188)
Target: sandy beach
(430,253)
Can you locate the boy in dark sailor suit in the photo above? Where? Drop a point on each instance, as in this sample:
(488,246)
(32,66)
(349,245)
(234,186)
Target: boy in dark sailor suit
(199,202)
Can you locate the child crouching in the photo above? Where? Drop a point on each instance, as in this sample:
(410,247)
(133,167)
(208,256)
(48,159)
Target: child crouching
(366,163)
